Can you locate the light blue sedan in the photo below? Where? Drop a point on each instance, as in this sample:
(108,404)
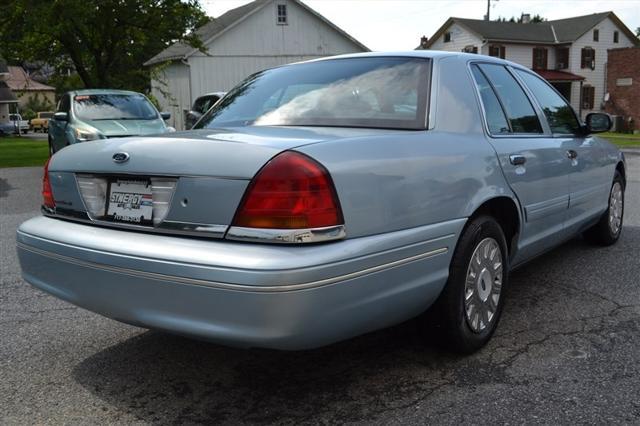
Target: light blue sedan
(96,114)
(326,199)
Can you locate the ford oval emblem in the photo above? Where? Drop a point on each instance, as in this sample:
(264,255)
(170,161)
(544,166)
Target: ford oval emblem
(120,157)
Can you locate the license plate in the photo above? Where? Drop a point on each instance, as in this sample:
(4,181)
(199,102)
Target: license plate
(131,201)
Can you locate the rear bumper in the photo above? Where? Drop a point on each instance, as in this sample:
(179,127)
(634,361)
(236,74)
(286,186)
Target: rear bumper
(283,297)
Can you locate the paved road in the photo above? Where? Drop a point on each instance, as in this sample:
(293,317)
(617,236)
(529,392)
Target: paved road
(567,350)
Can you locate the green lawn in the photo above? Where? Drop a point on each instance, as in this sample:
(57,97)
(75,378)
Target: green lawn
(623,140)
(19,152)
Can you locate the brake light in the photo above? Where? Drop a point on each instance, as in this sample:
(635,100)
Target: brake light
(292,191)
(47,194)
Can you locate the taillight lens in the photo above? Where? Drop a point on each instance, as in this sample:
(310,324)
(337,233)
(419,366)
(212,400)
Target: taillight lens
(47,194)
(292,191)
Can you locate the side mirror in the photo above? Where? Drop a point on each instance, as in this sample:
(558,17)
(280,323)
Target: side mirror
(597,122)
(61,116)
(165,115)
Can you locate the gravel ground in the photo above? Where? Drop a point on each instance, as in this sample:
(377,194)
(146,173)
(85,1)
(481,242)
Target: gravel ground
(567,351)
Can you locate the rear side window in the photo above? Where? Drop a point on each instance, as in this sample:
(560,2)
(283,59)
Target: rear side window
(520,113)
(496,121)
(559,114)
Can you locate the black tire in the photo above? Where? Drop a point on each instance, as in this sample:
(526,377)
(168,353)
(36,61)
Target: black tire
(604,233)
(448,314)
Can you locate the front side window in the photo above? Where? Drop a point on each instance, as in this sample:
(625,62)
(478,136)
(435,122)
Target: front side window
(65,104)
(113,107)
(496,120)
(379,92)
(203,103)
(560,115)
(282,14)
(520,113)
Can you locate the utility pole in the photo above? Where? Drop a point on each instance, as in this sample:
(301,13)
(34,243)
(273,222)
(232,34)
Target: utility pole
(487,17)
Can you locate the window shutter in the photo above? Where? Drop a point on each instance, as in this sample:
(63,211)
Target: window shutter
(583,61)
(502,52)
(545,63)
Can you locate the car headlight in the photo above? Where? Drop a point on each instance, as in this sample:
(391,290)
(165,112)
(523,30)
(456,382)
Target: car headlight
(84,135)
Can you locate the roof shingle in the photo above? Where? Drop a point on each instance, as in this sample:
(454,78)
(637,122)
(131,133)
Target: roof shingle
(552,32)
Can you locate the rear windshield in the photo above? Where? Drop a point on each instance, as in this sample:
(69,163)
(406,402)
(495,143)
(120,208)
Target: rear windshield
(383,92)
(113,107)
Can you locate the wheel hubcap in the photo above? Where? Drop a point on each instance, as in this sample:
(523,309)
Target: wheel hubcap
(483,284)
(615,208)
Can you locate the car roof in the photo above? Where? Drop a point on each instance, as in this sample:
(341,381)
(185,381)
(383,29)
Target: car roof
(430,54)
(218,94)
(103,92)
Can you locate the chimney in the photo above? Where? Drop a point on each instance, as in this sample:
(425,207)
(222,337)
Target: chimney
(525,18)
(423,42)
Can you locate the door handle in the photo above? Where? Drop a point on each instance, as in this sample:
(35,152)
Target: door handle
(517,159)
(572,154)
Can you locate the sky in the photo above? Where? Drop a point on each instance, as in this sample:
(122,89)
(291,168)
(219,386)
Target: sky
(398,24)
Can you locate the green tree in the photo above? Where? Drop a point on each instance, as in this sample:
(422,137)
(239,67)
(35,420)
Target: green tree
(104,41)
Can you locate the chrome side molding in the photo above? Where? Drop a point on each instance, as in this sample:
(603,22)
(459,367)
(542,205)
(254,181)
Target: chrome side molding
(286,236)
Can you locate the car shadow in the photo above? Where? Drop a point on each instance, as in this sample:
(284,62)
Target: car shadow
(160,378)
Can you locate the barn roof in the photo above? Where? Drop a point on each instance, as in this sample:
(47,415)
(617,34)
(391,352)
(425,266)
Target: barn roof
(547,32)
(215,27)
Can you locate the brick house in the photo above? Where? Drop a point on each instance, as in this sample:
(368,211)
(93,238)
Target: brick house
(570,53)
(623,84)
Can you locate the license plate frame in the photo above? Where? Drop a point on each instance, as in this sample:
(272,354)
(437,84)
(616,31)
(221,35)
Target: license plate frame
(130,201)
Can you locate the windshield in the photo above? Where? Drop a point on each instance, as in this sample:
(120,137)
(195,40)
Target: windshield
(382,92)
(113,107)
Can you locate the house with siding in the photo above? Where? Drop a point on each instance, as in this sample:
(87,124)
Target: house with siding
(256,36)
(7,97)
(569,53)
(25,88)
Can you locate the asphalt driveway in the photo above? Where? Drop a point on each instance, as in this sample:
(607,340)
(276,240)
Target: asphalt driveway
(567,351)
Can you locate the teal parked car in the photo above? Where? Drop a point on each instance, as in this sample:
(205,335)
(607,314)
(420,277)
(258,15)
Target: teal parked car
(92,114)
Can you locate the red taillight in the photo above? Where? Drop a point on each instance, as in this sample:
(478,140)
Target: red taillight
(47,194)
(291,191)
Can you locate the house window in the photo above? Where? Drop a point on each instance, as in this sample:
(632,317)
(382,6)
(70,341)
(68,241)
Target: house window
(616,37)
(447,37)
(282,14)
(470,49)
(588,58)
(588,96)
(497,51)
(562,58)
(539,58)
(596,35)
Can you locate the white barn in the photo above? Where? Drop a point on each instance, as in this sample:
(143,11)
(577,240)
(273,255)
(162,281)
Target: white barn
(259,35)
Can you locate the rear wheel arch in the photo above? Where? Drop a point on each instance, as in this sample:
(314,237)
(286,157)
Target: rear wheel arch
(506,212)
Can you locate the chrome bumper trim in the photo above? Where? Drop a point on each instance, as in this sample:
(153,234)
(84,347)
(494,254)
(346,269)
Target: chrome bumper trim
(183,229)
(230,286)
(286,236)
